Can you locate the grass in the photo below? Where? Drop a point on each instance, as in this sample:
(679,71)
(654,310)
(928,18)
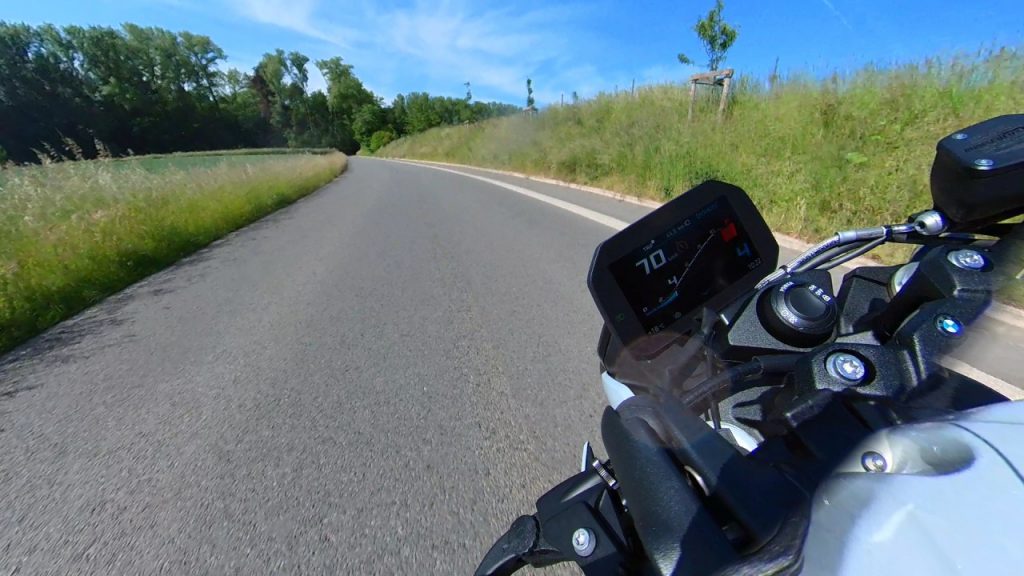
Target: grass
(72,233)
(815,155)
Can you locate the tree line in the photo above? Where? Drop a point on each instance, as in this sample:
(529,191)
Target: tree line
(143,90)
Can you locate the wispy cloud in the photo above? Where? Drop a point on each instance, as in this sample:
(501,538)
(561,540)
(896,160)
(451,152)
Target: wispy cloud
(295,15)
(828,4)
(442,43)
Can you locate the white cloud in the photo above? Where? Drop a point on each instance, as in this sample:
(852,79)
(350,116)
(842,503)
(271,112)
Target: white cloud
(443,44)
(295,15)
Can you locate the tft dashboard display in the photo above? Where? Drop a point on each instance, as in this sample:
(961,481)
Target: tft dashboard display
(702,249)
(681,268)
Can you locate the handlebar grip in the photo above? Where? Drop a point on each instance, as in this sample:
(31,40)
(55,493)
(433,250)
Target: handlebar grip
(678,534)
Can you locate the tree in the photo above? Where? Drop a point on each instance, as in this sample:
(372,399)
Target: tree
(529,93)
(421,113)
(77,92)
(345,96)
(368,120)
(398,115)
(716,35)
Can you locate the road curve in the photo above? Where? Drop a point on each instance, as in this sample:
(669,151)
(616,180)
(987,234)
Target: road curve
(375,380)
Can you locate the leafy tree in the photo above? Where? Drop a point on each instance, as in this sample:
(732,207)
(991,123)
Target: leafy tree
(529,93)
(715,34)
(421,113)
(319,119)
(345,96)
(369,120)
(235,81)
(398,115)
(149,90)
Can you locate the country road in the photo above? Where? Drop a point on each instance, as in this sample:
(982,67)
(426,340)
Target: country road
(375,380)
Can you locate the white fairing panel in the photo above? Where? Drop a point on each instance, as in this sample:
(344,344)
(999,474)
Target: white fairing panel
(951,501)
(616,392)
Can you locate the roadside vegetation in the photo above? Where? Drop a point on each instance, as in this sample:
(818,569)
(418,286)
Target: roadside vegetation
(136,90)
(72,233)
(816,155)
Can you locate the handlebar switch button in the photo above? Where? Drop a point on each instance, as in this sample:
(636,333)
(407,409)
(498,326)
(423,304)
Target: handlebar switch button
(806,304)
(798,313)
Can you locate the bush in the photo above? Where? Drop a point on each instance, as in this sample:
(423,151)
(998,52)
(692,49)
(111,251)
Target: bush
(380,139)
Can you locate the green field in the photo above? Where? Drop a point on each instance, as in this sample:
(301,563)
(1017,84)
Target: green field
(72,233)
(816,155)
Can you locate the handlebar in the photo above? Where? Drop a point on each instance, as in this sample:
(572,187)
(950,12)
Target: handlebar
(719,509)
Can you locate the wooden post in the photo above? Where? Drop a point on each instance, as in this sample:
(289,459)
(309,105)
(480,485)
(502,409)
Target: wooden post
(721,78)
(632,88)
(693,95)
(726,82)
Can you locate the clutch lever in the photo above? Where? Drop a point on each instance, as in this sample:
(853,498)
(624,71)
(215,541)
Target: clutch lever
(579,520)
(520,545)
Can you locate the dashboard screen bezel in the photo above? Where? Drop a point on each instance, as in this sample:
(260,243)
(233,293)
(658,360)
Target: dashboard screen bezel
(619,316)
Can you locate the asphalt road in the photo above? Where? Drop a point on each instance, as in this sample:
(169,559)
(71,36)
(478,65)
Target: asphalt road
(375,380)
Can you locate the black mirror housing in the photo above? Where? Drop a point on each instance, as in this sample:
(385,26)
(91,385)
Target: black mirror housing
(977,177)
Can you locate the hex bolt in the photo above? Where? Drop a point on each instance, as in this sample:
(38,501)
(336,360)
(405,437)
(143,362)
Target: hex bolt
(846,367)
(984,162)
(584,542)
(967,259)
(959,136)
(949,325)
(873,462)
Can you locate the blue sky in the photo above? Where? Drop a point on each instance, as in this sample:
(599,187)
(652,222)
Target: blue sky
(402,46)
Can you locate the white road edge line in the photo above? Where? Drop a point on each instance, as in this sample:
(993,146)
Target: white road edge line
(613,223)
(996,311)
(997,384)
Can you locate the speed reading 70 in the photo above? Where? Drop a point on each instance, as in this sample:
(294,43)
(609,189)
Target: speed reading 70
(653,262)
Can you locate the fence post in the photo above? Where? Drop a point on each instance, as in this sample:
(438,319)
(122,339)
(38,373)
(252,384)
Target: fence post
(693,95)
(725,95)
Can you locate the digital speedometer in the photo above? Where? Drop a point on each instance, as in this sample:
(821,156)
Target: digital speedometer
(703,248)
(686,265)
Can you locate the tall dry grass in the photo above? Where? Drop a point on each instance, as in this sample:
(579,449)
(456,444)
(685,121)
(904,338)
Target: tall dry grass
(72,233)
(816,155)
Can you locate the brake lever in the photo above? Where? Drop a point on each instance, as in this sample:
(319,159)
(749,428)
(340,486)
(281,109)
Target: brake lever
(522,544)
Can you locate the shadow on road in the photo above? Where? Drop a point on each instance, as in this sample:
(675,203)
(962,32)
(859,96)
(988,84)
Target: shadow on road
(104,325)
(108,324)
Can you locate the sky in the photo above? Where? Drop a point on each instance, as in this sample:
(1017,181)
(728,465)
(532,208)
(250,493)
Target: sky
(565,47)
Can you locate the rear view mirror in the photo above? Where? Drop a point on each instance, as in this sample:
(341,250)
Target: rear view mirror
(978,174)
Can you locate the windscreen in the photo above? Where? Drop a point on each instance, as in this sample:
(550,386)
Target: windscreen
(679,269)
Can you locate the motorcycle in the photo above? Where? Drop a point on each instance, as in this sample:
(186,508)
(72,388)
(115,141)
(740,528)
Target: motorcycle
(760,422)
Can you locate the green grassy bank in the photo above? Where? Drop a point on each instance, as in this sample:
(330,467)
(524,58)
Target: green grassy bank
(816,155)
(72,233)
